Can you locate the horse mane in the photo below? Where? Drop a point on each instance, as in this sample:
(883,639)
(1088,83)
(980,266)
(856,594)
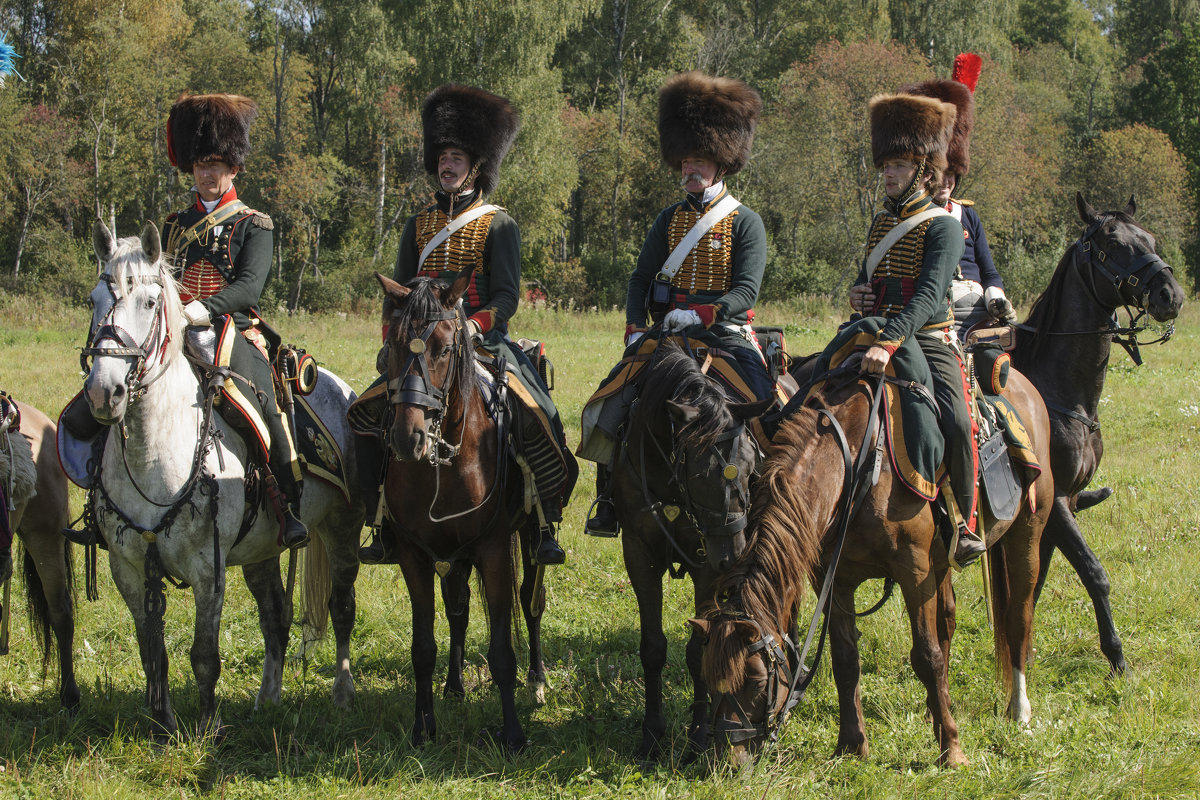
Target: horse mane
(128,267)
(783,545)
(674,375)
(423,302)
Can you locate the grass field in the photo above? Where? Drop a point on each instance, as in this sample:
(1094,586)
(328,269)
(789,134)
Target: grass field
(1138,736)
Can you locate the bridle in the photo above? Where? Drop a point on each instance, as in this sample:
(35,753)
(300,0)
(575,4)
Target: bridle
(1112,285)
(778,660)
(148,354)
(711,522)
(413,385)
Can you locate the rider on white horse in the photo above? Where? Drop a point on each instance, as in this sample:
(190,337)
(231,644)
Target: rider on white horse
(222,250)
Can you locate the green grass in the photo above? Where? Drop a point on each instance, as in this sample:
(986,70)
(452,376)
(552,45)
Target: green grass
(1091,736)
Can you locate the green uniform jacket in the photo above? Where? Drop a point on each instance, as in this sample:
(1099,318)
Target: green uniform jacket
(225,271)
(748,259)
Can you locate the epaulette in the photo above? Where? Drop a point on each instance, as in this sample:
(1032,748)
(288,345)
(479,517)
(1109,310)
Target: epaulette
(963,202)
(262,220)
(171,217)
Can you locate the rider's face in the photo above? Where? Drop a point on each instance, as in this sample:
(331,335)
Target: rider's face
(453,167)
(213,178)
(698,173)
(898,173)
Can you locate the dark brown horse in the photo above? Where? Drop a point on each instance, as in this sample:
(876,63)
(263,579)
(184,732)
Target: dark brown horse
(1063,348)
(455,497)
(681,491)
(38,521)
(751,653)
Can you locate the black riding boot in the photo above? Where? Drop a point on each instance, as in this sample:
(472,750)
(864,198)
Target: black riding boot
(549,552)
(603,521)
(292,531)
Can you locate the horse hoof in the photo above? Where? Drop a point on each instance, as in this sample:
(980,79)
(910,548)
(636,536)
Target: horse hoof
(343,693)
(537,693)
(454,692)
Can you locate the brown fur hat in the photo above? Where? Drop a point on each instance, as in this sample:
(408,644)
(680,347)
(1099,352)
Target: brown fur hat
(908,126)
(481,124)
(958,156)
(700,115)
(207,126)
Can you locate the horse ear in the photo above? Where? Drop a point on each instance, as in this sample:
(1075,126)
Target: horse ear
(745,411)
(1086,213)
(699,625)
(151,242)
(455,291)
(102,241)
(1131,206)
(682,413)
(747,630)
(391,288)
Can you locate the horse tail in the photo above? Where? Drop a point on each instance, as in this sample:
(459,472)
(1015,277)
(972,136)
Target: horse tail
(38,608)
(1001,608)
(318,586)
(514,611)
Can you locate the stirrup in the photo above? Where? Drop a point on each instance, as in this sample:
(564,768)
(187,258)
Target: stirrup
(549,552)
(597,530)
(965,549)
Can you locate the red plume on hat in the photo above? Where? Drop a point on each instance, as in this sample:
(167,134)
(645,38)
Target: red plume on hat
(967,67)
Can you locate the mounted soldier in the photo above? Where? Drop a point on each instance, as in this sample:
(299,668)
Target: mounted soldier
(914,247)
(222,252)
(467,133)
(700,268)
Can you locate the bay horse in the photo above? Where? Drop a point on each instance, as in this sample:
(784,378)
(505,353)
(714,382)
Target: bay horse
(822,453)
(1063,348)
(39,514)
(680,487)
(171,498)
(455,497)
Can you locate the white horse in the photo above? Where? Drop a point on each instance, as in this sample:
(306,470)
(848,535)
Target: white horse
(171,498)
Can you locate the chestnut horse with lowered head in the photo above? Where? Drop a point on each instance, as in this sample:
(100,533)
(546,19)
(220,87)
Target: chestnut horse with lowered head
(892,534)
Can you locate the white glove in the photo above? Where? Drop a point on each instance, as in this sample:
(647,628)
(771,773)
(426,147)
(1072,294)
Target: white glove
(998,304)
(633,337)
(680,318)
(196,314)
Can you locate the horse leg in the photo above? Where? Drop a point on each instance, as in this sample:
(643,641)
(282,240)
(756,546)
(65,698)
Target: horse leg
(533,603)
(499,585)
(1064,531)
(456,597)
(418,574)
(130,581)
(930,667)
(698,728)
(206,653)
(843,654)
(267,587)
(1013,589)
(946,620)
(647,586)
(47,585)
(343,572)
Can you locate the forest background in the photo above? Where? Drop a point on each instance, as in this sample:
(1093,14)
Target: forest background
(1095,96)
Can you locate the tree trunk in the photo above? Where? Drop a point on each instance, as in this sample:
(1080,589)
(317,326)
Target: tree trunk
(25,219)
(380,197)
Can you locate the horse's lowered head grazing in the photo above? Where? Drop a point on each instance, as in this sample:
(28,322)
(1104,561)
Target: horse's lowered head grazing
(136,317)
(1126,270)
(429,363)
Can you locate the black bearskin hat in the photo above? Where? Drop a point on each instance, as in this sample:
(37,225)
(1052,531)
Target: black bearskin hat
(958,155)
(201,127)
(479,123)
(701,115)
(908,126)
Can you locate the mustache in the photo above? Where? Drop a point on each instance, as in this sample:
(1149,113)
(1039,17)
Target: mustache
(692,176)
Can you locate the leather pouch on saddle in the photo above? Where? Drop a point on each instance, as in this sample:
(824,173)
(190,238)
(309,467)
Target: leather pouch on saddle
(1000,336)
(773,347)
(535,351)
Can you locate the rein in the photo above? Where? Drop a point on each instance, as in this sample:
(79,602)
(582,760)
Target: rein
(859,475)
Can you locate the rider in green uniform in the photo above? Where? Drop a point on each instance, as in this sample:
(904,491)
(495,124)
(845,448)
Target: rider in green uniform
(467,133)
(222,254)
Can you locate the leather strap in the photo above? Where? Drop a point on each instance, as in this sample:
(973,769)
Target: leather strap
(897,233)
(453,226)
(726,206)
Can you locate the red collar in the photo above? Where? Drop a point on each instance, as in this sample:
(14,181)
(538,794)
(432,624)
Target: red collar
(228,197)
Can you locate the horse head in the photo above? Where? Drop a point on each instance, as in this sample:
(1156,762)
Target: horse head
(716,464)
(135,312)
(1124,268)
(747,666)
(429,361)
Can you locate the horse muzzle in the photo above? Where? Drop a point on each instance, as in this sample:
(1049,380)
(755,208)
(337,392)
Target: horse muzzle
(1164,297)
(108,403)
(407,441)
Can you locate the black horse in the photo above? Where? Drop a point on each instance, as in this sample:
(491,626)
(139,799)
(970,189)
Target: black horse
(681,491)
(1063,348)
